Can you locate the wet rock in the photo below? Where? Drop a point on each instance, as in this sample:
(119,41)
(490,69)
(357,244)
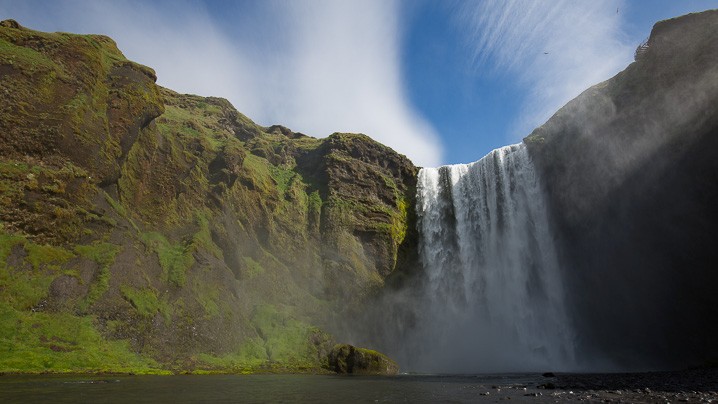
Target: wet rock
(348,359)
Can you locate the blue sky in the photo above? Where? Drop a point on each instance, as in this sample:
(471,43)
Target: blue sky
(440,81)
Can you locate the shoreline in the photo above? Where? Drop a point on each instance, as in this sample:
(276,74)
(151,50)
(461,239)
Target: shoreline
(694,385)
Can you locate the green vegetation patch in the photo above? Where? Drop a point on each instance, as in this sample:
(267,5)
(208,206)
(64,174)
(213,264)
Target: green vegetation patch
(286,339)
(120,209)
(209,301)
(208,296)
(25,58)
(252,268)
(62,343)
(315,201)
(47,256)
(7,242)
(188,123)
(399,223)
(146,302)
(104,255)
(21,288)
(282,177)
(259,172)
(203,238)
(175,259)
(249,358)
(284,345)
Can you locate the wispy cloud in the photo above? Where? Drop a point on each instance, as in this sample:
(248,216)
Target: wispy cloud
(315,66)
(554,50)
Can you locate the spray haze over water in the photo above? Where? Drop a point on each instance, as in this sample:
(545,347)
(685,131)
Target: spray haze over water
(492,298)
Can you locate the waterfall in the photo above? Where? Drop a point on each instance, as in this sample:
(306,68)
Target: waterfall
(492,296)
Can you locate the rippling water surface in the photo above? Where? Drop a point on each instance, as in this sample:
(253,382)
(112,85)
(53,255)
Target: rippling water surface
(261,388)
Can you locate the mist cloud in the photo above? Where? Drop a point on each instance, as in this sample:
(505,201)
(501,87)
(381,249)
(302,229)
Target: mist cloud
(316,67)
(555,50)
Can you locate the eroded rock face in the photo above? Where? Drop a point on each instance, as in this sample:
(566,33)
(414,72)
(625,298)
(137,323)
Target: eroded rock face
(67,99)
(630,169)
(348,359)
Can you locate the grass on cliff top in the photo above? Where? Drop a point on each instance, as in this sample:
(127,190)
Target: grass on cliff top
(24,58)
(99,46)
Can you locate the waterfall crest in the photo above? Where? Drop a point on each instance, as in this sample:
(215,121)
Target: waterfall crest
(492,296)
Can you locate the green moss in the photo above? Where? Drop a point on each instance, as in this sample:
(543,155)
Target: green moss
(187,122)
(7,242)
(47,256)
(25,58)
(21,289)
(62,343)
(175,259)
(399,223)
(252,268)
(282,177)
(286,340)
(535,138)
(146,302)
(209,300)
(203,238)
(208,296)
(249,358)
(284,345)
(259,172)
(104,255)
(315,201)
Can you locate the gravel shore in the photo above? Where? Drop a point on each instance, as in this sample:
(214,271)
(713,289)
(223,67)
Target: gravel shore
(693,386)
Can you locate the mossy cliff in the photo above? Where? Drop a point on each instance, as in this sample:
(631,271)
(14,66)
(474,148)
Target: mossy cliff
(144,230)
(631,172)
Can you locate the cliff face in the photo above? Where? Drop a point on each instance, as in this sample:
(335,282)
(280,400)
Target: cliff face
(631,172)
(141,229)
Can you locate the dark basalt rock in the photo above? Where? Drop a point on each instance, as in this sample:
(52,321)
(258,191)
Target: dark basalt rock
(632,178)
(347,359)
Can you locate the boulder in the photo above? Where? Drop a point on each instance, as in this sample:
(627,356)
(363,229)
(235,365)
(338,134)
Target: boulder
(348,359)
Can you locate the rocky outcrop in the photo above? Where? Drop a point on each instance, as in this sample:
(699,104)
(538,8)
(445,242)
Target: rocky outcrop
(630,170)
(347,359)
(67,100)
(173,229)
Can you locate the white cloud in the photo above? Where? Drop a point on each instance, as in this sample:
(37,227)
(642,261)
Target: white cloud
(316,66)
(345,68)
(554,50)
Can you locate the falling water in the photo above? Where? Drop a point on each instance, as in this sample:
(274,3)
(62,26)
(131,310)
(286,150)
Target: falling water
(493,298)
